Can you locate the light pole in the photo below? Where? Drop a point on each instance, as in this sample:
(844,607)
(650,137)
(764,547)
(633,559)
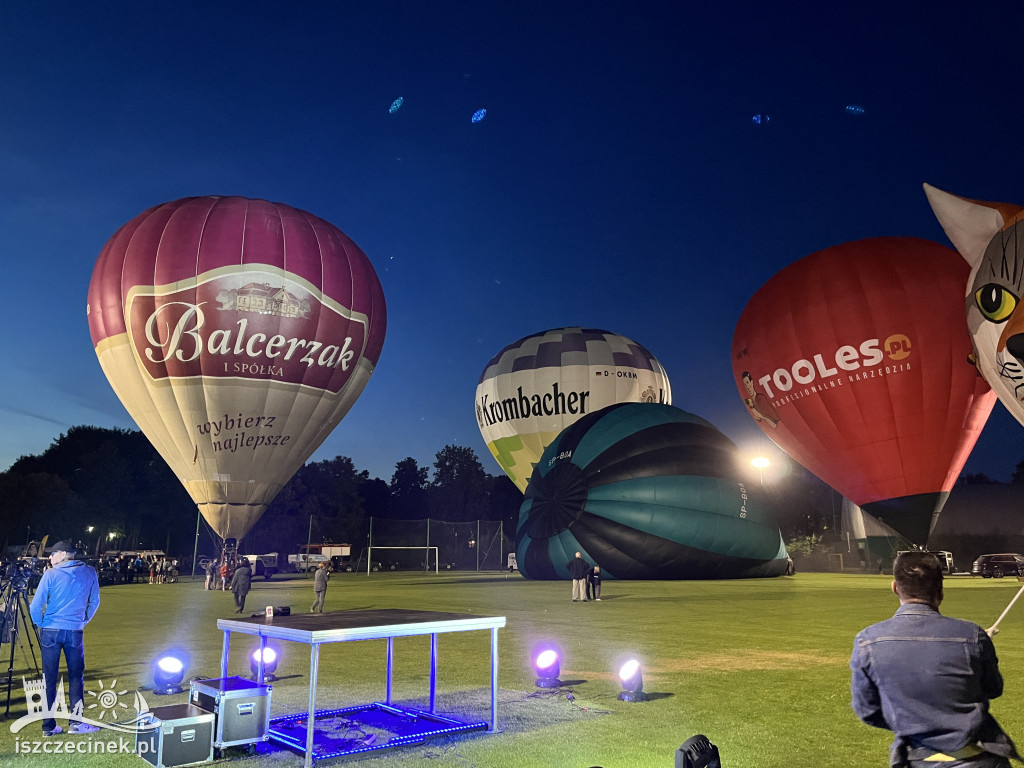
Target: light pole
(761,463)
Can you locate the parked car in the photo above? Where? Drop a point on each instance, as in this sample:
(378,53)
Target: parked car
(342,564)
(945,558)
(998,565)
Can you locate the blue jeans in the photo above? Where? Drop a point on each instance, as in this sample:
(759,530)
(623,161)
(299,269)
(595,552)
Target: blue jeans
(52,642)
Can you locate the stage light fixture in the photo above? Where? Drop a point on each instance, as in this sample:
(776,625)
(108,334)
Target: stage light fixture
(168,672)
(698,752)
(269,664)
(632,682)
(545,665)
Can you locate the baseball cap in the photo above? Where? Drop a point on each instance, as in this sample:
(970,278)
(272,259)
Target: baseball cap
(63,546)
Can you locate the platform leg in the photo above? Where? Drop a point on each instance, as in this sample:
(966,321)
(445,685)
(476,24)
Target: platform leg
(494,680)
(224,654)
(391,666)
(433,672)
(314,671)
(260,671)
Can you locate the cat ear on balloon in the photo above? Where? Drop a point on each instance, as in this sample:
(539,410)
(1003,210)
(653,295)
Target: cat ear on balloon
(970,224)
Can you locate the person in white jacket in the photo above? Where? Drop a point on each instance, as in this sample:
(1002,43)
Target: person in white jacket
(320,588)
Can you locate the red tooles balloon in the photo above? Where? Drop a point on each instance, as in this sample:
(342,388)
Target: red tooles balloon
(237,333)
(854,360)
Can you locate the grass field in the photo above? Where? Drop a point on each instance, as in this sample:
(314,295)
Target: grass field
(760,666)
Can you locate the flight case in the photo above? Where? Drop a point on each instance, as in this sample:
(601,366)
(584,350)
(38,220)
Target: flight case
(183,736)
(242,708)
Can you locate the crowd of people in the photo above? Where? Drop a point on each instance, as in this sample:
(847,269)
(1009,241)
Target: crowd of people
(230,573)
(127,568)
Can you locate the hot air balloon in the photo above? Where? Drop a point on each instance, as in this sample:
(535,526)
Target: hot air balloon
(646,491)
(990,236)
(237,333)
(534,388)
(854,360)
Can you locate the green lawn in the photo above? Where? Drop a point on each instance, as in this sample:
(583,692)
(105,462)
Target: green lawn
(760,666)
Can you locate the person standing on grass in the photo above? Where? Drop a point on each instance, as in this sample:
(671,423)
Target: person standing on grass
(594,582)
(319,588)
(66,599)
(928,678)
(211,570)
(578,569)
(240,583)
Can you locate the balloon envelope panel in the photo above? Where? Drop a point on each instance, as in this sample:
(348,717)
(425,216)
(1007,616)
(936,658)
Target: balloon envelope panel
(646,491)
(237,333)
(534,388)
(854,360)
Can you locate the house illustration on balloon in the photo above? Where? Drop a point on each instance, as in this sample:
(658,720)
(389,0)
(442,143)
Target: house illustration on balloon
(263,299)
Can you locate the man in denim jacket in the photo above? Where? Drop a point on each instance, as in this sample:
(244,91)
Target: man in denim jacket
(66,599)
(928,678)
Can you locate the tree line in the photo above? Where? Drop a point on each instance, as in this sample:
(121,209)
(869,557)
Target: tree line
(109,489)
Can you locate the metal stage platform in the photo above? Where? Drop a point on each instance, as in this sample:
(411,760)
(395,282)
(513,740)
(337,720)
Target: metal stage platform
(328,733)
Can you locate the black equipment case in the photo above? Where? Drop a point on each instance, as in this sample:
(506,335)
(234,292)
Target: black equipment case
(241,706)
(183,736)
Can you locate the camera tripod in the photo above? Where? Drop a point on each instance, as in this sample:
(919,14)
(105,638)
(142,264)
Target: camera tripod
(15,618)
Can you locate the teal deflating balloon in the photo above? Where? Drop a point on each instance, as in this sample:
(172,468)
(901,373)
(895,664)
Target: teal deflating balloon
(646,491)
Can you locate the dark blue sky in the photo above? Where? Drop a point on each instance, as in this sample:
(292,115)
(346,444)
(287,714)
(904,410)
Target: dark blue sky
(617,182)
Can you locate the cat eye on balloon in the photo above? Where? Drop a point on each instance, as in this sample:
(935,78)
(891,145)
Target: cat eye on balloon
(995,302)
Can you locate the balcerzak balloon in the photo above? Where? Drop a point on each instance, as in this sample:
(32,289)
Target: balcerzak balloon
(237,333)
(534,388)
(854,360)
(646,491)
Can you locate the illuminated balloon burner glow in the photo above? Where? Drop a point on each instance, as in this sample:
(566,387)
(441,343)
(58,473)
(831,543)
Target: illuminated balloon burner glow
(913,516)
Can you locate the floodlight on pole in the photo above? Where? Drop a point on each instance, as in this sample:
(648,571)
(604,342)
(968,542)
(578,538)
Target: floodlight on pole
(760,463)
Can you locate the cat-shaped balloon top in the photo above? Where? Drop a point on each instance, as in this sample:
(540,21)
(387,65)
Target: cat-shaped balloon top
(990,236)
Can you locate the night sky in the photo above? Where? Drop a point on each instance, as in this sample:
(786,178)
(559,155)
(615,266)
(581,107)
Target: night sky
(618,180)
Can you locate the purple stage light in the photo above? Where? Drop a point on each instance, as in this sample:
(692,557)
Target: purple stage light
(632,681)
(269,663)
(546,666)
(168,672)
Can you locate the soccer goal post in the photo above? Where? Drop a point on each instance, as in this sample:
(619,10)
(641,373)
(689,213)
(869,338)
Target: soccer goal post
(430,553)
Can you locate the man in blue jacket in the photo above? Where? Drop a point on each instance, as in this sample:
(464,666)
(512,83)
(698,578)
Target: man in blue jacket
(66,599)
(928,678)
